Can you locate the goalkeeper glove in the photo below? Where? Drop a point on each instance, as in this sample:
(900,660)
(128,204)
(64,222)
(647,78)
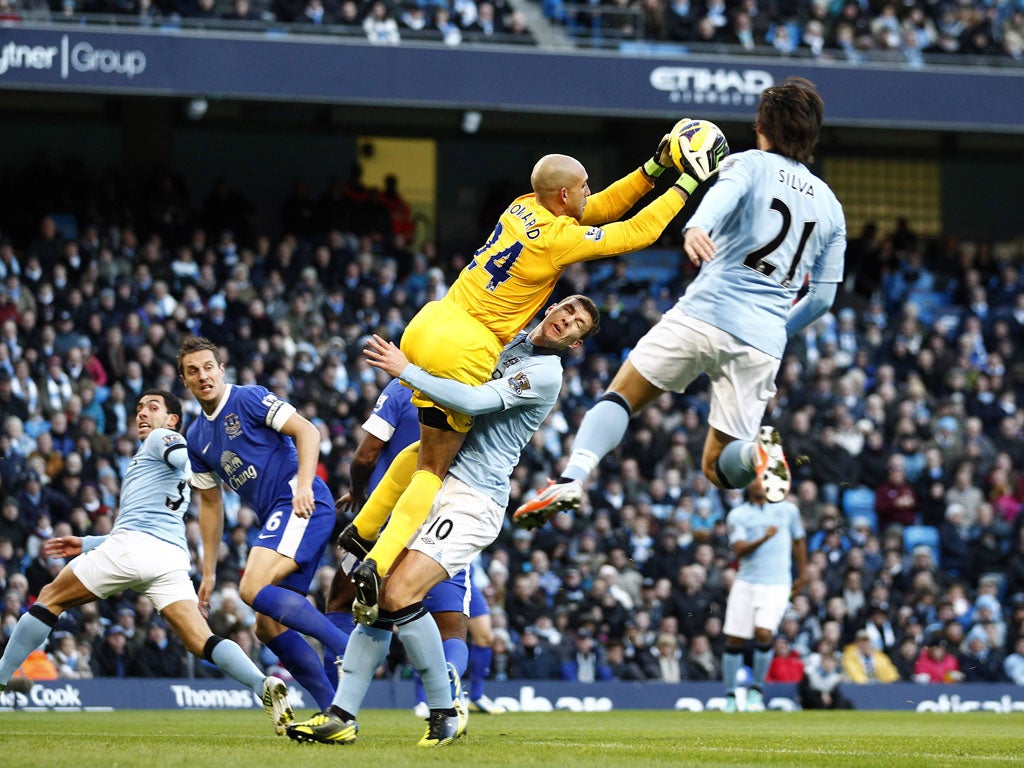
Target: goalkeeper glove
(687,183)
(661,161)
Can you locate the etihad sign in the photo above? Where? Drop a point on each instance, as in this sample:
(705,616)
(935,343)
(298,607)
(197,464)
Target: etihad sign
(68,58)
(701,85)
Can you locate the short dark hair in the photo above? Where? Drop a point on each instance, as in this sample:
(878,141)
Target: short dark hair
(172,403)
(590,308)
(790,116)
(193,344)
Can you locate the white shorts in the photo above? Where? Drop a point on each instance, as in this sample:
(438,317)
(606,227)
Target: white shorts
(679,348)
(140,562)
(753,606)
(462,523)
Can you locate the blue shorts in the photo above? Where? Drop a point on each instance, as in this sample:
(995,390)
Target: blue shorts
(449,595)
(477,602)
(302,540)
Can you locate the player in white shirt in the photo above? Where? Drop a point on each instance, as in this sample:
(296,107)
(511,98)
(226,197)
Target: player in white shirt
(766,225)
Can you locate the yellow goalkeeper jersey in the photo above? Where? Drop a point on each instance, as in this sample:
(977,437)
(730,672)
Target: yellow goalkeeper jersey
(512,276)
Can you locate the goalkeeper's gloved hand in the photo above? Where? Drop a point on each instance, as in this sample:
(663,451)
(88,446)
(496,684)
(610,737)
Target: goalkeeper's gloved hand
(687,183)
(661,160)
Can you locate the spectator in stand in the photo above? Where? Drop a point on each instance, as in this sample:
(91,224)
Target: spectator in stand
(935,664)
(819,688)
(160,654)
(622,668)
(787,666)
(895,500)
(488,22)
(534,659)
(863,663)
(1013,667)
(681,20)
(664,661)
(979,661)
(380,27)
(111,658)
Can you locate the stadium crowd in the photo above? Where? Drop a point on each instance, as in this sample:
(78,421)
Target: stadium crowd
(379,21)
(830,30)
(899,411)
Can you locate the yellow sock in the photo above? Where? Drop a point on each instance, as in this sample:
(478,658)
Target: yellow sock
(409,513)
(374,512)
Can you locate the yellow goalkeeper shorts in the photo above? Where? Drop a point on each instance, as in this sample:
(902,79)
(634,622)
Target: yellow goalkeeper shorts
(446,341)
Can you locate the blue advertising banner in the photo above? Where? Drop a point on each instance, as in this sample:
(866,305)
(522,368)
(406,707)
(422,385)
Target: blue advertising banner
(330,70)
(110,694)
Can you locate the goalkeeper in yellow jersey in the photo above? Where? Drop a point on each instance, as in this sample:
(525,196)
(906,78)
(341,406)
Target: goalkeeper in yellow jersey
(459,337)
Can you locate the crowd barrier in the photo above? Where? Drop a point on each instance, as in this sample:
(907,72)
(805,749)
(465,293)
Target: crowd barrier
(108,695)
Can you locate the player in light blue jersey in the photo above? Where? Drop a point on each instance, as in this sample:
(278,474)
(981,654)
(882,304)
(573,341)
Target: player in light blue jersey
(766,225)
(392,427)
(465,518)
(766,538)
(145,551)
(267,452)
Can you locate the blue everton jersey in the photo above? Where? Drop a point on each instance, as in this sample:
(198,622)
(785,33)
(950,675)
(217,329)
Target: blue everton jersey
(772,562)
(155,491)
(395,421)
(241,445)
(773,223)
(528,382)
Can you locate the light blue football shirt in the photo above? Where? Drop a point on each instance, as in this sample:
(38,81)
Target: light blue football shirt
(155,492)
(528,380)
(772,562)
(773,223)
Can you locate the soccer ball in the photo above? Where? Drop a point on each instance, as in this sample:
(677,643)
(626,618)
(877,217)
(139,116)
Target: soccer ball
(697,147)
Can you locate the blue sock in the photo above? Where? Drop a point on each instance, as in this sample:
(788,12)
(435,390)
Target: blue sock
(29,633)
(295,611)
(602,429)
(422,640)
(299,658)
(763,655)
(229,656)
(735,464)
(457,652)
(479,668)
(367,649)
(342,620)
(731,663)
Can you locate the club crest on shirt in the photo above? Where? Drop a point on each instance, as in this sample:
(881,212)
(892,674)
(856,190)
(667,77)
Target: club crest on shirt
(232,425)
(519,383)
(594,233)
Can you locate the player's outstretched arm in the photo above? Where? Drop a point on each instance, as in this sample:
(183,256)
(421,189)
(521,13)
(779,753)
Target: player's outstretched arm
(62,546)
(465,398)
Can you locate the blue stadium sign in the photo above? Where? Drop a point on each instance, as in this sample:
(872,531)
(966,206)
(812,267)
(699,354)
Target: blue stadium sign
(329,70)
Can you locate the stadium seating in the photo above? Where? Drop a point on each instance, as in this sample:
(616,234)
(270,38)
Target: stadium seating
(926,535)
(860,502)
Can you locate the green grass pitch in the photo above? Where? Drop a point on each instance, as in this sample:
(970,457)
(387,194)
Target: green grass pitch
(244,739)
